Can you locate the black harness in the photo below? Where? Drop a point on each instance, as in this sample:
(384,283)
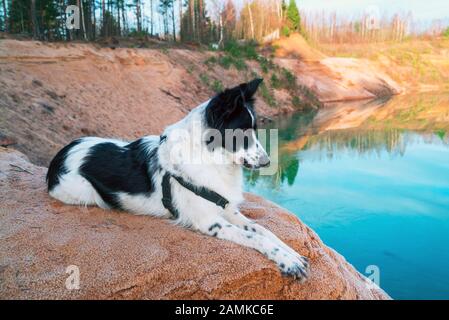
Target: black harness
(202,192)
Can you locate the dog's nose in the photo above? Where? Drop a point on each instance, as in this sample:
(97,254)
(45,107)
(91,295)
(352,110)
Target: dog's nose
(264,161)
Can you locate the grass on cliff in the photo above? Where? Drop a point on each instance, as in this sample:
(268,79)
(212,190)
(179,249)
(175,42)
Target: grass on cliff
(238,55)
(213,84)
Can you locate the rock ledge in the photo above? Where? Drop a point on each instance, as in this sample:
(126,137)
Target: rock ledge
(123,256)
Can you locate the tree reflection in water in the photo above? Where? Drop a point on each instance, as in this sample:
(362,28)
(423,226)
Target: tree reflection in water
(378,126)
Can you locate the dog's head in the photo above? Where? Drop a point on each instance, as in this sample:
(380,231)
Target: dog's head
(232,117)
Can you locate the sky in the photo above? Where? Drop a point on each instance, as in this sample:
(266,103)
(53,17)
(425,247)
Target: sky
(424,10)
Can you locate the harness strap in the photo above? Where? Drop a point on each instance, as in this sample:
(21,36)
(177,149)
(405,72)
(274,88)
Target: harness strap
(166,196)
(202,192)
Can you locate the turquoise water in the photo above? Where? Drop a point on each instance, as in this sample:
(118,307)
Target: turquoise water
(378,197)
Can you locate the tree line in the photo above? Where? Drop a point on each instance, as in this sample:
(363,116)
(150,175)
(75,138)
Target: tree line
(216,21)
(333,28)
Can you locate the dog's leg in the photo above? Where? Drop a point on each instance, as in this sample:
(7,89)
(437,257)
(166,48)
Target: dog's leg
(217,226)
(238,219)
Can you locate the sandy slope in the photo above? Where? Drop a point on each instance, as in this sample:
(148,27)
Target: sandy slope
(52,93)
(418,65)
(333,78)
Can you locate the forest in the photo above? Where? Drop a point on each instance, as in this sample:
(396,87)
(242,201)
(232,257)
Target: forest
(171,20)
(203,22)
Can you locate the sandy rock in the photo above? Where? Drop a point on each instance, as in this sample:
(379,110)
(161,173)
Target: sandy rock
(333,78)
(120,255)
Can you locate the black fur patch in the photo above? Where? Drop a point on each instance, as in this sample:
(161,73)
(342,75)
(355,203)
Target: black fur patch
(56,167)
(215,225)
(232,109)
(111,169)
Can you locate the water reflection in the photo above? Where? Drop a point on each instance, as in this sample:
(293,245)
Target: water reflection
(372,179)
(359,128)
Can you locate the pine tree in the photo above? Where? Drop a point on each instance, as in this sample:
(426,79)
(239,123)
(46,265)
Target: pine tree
(138,15)
(293,17)
(164,7)
(5,16)
(34,22)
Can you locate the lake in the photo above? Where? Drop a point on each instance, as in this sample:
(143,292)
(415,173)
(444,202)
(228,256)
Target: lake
(372,179)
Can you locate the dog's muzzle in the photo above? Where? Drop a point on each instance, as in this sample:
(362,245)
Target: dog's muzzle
(264,161)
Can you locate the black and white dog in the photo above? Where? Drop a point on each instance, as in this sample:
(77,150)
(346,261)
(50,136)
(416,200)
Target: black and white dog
(192,173)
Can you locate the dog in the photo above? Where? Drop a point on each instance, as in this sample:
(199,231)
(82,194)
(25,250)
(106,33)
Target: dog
(156,175)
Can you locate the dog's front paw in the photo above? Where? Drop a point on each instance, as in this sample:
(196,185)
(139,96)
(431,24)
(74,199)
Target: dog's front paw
(294,265)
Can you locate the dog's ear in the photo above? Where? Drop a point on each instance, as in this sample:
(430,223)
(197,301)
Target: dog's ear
(234,98)
(229,101)
(250,88)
